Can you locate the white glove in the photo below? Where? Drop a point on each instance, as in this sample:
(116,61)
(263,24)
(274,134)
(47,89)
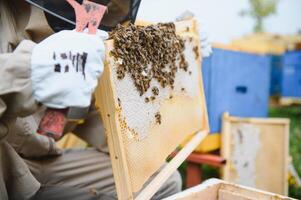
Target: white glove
(65,68)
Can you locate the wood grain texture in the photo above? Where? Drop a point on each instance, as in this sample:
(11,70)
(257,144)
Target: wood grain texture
(172,166)
(215,189)
(135,160)
(107,108)
(266,43)
(269,169)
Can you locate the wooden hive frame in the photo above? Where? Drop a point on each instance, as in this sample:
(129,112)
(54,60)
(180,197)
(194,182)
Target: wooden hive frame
(107,104)
(274,148)
(215,189)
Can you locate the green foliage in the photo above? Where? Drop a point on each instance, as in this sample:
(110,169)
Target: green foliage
(294,114)
(259,10)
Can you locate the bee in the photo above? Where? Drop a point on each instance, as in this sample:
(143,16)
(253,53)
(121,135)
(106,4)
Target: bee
(158,118)
(155,91)
(196,52)
(119,102)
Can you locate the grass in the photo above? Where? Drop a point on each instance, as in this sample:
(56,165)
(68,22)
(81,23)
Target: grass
(294,114)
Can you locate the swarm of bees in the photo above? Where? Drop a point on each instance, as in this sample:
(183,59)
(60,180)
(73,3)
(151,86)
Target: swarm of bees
(148,53)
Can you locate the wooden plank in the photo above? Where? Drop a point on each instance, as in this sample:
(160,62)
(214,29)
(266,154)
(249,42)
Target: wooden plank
(215,189)
(277,101)
(226,152)
(104,97)
(257,152)
(207,191)
(262,42)
(287,158)
(268,43)
(271,121)
(132,156)
(230,195)
(284,101)
(289,101)
(234,47)
(249,192)
(172,166)
(252,192)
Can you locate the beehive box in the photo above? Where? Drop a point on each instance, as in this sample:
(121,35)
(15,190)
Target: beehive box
(286,81)
(290,77)
(276,74)
(286,73)
(285,53)
(145,123)
(237,82)
(214,189)
(256,150)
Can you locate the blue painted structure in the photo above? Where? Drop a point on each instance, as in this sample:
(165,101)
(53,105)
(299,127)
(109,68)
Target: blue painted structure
(286,77)
(276,75)
(236,82)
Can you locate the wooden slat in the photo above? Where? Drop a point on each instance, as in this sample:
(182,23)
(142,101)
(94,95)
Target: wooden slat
(171,167)
(225,150)
(272,121)
(230,195)
(215,189)
(271,161)
(104,97)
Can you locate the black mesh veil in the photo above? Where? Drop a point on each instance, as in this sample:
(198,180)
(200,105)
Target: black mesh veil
(60,15)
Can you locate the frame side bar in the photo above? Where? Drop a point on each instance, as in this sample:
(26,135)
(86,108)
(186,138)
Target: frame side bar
(171,167)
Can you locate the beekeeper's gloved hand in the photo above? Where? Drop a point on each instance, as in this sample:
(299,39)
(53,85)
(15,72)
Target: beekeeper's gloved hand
(65,68)
(206,48)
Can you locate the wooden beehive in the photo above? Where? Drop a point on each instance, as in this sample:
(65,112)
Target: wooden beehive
(138,145)
(256,150)
(232,78)
(266,43)
(285,54)
(214,189)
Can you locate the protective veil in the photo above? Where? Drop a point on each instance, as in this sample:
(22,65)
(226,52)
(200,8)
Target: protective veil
(60,14)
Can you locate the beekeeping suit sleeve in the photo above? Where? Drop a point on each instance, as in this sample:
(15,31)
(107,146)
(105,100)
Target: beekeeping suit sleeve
(17,104)
(15,100)
(15,85)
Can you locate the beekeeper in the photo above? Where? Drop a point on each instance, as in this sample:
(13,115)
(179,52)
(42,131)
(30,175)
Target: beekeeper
(32,70)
